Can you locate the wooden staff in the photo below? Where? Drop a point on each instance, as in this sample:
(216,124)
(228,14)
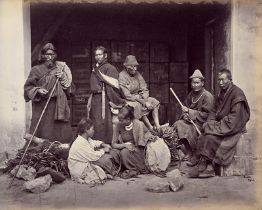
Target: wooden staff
(198,131)
(31,139)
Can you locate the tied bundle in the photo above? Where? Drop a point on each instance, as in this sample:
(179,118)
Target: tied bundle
(52,155)
(169,135)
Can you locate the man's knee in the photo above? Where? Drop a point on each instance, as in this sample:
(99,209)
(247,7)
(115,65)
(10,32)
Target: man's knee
(124,153)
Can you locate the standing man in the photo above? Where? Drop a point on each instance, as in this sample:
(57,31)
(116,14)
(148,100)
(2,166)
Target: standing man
(197,106)
(105,96)
(224,126)
(55,123)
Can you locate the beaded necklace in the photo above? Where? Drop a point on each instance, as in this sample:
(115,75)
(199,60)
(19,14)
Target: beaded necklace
(129,127)
(198,97)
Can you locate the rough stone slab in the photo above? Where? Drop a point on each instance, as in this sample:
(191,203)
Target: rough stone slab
(25,172)
(158,185)
(175,180)
(38,185)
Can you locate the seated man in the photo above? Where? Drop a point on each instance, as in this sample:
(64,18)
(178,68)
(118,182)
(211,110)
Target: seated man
(90,160)
(197,106)
(135,91)
(223,128)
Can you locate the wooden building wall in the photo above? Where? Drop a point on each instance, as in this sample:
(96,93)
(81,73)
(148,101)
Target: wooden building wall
(158,35)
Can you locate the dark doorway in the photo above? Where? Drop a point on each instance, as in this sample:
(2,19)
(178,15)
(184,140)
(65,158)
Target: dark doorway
(169,40)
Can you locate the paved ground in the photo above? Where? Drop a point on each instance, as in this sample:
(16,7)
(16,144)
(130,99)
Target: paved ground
(130,193)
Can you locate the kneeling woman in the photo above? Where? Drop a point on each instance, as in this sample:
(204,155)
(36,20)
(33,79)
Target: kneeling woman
(89,160)
(130,139)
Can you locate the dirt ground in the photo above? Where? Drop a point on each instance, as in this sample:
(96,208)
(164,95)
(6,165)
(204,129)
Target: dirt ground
(131,193)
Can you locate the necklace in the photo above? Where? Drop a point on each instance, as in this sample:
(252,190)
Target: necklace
(129,127)
(198,97)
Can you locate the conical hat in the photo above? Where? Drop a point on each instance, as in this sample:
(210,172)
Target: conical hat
(131,61)
(197,74)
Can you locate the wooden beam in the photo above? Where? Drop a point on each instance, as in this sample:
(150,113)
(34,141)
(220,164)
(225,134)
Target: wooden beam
(51,32)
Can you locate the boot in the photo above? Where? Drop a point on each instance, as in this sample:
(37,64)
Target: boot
(199,168)
(193,161)
(202,165)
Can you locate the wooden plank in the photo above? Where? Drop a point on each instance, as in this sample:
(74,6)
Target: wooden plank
(82,93)
(81,72)
(81,52)
(159,72)
(173,112)
(178,72)
(181,90)
(163,114)
(74,130)
(140,50)
(160,92)
(79,111)
(119,66)
(143,69)
(119,51)
(159,52)
(178,48)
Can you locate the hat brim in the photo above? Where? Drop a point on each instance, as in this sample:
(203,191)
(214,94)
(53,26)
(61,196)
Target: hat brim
(191,77)
(131,64)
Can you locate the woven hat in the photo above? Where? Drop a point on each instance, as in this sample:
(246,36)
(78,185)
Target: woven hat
(131,61)
(197,74)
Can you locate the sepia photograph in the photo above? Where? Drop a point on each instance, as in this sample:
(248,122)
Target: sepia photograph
(130,104)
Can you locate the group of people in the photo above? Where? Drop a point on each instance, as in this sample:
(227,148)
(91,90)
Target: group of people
(113,137)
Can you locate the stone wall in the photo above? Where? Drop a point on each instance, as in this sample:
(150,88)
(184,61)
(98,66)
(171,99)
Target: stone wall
(13,59)
(246,57)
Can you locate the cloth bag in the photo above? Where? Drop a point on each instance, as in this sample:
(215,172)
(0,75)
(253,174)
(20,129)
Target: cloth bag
(158,155)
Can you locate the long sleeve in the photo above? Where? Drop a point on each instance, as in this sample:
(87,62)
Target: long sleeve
(125,88)
(114,96)
(228,125)
(66,78)
(143,86)
(31,87)
(82,150)
(201,115)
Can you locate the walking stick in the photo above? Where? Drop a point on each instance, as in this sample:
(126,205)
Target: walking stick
(198,131)
(47,102)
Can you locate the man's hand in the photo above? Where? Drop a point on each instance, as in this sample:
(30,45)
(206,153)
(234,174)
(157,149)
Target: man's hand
(42,91)
(141,101)
(59,74)
(185,109)
(149,106)
(106,149)
(107,146)
(130,147)
(186,117)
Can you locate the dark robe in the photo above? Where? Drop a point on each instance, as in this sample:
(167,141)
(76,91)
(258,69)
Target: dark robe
(224,127)
(133,160)
(198,112)
(103,128)
(55,124)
